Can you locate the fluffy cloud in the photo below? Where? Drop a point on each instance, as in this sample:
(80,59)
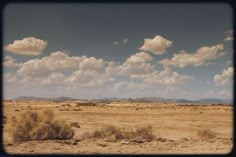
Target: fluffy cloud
(92,63)
(78,78)
(157,45)
(54,79)
(225,77)
(59,69)
(134,65)
(166,77)
(88,78)
(59,62)
(135,68)
(9,78)
(229,36)
(140,57)
(11,62)
(200,57)
(27,46)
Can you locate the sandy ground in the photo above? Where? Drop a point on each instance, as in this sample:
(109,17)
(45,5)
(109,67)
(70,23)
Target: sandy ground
(176,128)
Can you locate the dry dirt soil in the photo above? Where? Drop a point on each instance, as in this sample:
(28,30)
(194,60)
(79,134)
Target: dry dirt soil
(176,128)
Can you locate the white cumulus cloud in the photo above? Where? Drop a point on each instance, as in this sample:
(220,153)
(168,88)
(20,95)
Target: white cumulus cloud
(27,46)
(11,62)
(135,68)
(140,57)
(225,77)
(59,62)
(136,64)
(200,57)
(157,45)
(88,78)
(165,77)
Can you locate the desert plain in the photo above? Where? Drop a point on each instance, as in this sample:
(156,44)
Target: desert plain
(178,128)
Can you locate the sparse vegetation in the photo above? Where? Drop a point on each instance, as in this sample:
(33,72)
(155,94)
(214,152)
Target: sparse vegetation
(206,134)
(67,105)
(40,126)
(112,133)
(70,109)
(129,134)
(64,109)
(86,104)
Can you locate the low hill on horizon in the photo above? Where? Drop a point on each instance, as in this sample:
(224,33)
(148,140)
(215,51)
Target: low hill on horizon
(114,99)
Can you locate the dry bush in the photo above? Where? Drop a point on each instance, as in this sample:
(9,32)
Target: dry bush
(75,124)
(77,109)
(64,109)
(206,134)
(40,126)
(115,134)
(145,133)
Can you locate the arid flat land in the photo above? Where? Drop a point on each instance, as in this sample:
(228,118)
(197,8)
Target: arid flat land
(176,128)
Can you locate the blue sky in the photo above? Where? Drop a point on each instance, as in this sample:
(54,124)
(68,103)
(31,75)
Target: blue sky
(117,50)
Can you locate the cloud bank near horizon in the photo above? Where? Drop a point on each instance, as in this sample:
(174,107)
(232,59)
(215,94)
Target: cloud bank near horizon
(140,74)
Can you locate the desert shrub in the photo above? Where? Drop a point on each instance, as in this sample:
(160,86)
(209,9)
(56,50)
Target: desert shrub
(64,109)
(75,124)
(77,109)
(115,134)
(40,126)
(206,134)
(145,133)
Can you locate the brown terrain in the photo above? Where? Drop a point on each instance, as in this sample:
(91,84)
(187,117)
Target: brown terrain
(175,129)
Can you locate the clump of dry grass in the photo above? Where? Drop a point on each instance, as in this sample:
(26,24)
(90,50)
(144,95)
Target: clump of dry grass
(40,126)
(112,133)
(206,134)
(70,109)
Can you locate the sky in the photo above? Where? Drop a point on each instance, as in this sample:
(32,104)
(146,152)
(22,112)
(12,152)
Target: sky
(128,50)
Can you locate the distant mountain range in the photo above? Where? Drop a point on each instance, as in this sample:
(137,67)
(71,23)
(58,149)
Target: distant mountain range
(28,98)
(140,99)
